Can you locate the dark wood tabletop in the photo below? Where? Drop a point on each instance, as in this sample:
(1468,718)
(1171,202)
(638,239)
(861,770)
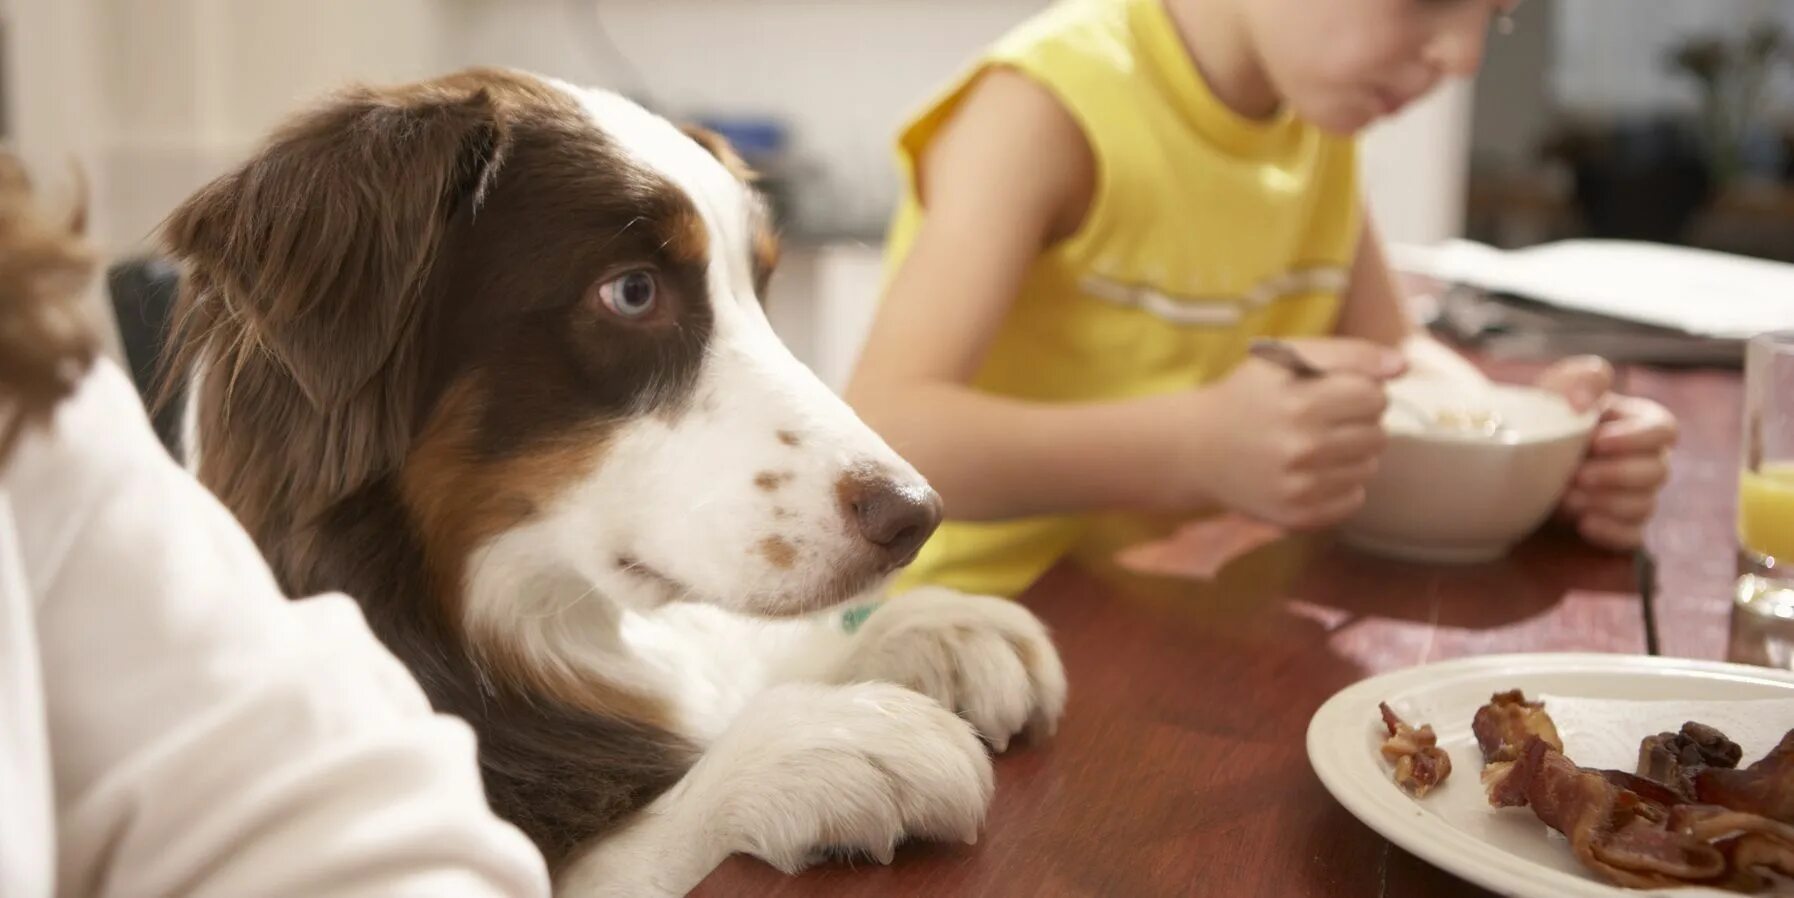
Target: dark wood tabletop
(1180,768)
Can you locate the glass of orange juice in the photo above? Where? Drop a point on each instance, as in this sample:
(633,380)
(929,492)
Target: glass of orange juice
(1763,616)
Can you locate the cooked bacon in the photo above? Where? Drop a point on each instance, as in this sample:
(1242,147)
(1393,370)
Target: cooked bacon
(1674,759)
(1687,817)
(1651,856)
(1765,788)
(1608,827)
(1655,799)
(1504,724)
(1423,770)
(1750,857)
(1420,764)
(1753,845)
(1712,823)
(1503,789)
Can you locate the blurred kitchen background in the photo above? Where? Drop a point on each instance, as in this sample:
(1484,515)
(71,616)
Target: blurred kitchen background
(1666,120)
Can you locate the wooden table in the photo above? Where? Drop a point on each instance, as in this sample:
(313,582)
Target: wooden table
(1180,768)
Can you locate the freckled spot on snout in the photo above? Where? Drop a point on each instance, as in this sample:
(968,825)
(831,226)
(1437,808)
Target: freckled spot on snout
(772,480)
(789,438)
(779,552)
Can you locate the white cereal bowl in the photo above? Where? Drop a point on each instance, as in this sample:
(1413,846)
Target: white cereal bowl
(1459,497)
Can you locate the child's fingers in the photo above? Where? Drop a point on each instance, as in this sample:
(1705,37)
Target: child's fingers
(1628,472)
(1582,380)
(1317,487)
(1575,503)
(1329,512)
(1336,355)
(1608,533)
(1346,399)
(1345,478)
(1623,507)
(1348,445)
(1635,426)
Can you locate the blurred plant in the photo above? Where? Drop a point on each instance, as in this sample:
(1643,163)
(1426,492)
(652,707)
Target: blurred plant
(1732,76)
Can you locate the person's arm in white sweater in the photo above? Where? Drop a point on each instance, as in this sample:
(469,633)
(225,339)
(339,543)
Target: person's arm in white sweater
(207,737)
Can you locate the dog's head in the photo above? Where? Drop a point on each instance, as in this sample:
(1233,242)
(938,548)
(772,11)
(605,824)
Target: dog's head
(532,312)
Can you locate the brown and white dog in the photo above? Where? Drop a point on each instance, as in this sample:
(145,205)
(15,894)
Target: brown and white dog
(487,353)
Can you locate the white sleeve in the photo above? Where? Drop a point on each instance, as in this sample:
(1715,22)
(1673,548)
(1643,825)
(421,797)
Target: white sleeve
(208,737)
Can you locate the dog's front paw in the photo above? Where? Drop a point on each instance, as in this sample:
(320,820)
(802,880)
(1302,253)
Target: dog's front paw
(809,770)
(988,659)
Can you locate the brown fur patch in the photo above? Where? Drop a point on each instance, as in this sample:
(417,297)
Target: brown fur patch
(459,499)
(778,552)
(723,151)
(766,256)
(576,688)
(770,481)
(789,438)
(302,290)
(689,239)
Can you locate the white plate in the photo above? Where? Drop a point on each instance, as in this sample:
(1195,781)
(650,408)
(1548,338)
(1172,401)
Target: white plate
(1507,851)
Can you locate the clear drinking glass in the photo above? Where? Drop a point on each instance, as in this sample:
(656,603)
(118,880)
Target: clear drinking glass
(1763,610)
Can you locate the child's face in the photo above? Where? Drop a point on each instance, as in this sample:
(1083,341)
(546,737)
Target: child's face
(1343,64)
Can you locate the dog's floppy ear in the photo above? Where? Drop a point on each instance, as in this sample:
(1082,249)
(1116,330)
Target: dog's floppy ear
(319,246)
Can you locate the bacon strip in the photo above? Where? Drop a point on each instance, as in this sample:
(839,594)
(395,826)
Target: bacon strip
(1765,788)
(1673,759)
(1687,817)
(1504,724)
(1420,764)
(1609,828)
(1752,844)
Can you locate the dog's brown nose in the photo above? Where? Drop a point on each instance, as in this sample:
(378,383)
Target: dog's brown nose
(894,516)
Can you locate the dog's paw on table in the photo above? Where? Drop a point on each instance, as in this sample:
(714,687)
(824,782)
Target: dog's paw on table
(810,772)
(988,659)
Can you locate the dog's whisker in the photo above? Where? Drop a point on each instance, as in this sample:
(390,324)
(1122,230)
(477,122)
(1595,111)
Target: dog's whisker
(623,230)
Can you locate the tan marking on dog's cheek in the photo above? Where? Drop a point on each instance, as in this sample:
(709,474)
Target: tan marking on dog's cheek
(459,501)
(778,552)
(789,438)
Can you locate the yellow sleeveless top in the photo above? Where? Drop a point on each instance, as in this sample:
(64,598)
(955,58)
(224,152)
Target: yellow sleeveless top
(1205,229)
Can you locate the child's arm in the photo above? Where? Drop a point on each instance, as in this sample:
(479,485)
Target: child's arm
(1007,178)
(1615,491)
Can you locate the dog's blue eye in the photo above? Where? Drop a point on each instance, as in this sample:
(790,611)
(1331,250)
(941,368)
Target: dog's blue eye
(631,295)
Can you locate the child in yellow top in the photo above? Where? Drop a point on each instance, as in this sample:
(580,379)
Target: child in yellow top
(1100,217)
